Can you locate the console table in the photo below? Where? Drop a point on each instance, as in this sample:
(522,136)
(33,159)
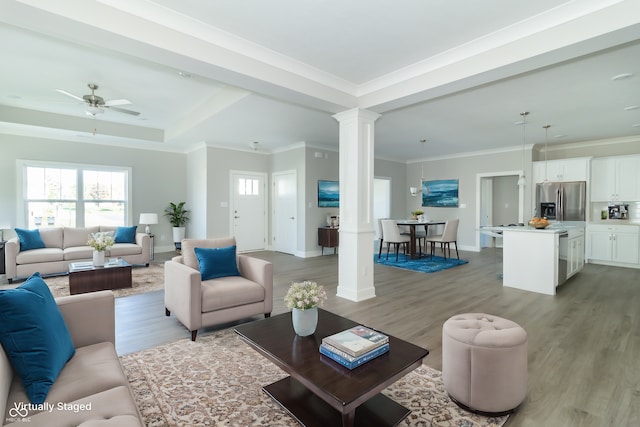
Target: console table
(328,238)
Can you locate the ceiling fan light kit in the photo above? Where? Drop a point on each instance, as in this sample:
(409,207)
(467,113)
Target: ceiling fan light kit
(97,104)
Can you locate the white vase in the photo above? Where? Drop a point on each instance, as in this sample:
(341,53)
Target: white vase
(304,321)
(98,258)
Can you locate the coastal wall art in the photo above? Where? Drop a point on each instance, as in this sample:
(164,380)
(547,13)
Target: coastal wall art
(442,193)
(328,194)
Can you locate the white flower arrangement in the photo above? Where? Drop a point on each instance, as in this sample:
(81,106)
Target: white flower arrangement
(101,241)
(305,295)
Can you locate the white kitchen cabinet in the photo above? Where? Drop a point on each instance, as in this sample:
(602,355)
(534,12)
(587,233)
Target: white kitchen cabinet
(562,170)
(615,179)
(575,255)
(614,243)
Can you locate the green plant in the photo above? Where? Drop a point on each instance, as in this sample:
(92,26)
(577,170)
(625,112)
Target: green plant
(177,214)
(417,212)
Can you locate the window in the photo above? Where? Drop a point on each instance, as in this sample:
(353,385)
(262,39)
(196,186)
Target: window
(248,187)
(74,195)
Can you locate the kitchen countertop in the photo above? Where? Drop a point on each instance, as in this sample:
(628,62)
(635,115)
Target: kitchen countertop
(528,229)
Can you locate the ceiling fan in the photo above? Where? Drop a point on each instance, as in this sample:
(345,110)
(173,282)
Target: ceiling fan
(96,104)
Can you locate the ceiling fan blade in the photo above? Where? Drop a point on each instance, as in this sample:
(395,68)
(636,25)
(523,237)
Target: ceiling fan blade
(114,102)
(122,110)
(64,92)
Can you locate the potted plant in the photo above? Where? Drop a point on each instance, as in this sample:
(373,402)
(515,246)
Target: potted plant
(100,242)
(303,298)
(415,214)
(178,217)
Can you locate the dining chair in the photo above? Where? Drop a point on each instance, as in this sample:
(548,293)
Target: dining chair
(380,235)
(449,235)
(392,234)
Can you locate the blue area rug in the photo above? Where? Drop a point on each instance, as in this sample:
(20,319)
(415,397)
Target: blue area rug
(424,265)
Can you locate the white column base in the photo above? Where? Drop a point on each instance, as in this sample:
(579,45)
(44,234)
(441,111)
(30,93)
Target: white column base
(355,272)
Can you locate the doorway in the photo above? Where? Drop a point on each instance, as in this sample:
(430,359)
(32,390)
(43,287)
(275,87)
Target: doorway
(248,210)
(497,193)
(285,205)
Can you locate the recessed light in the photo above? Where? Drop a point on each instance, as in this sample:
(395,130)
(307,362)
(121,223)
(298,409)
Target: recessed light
(518,123)
(184,74)
(637,125)
(622,76)
(631,107)
(560,135)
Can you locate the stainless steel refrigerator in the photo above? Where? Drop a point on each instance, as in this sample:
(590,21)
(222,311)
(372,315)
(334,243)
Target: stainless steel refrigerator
(562,201)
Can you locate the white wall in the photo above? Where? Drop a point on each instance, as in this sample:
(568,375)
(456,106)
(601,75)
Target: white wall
(505,200)
(196,197)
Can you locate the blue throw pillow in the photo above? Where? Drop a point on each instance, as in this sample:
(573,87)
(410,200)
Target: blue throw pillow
(29,239)
(34,336)
(126,234)
(217,262)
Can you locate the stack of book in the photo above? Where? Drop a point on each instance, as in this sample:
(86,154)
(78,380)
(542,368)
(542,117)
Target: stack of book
(355,346)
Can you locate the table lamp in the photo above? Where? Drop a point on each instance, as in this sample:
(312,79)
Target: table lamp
(147,219)
(2,228)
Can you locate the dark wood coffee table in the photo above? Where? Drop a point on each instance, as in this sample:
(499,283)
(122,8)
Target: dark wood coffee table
(319,391)
(84,277)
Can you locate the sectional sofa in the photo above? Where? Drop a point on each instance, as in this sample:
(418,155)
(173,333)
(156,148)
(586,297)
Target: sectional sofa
(91,389)
(64,245)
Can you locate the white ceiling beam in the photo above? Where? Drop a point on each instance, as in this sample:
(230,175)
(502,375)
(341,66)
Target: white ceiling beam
(579,32)
(205,53)
(215,104)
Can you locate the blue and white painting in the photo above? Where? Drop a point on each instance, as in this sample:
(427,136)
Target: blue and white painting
(328,194)
(442,193)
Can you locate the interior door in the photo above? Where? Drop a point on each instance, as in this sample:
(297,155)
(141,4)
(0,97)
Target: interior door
(486,210)
(285,205)
(248,210)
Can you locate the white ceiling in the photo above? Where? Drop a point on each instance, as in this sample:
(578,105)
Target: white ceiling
(455,73)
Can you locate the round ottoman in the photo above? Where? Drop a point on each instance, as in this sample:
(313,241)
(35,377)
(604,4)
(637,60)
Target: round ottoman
(484,362)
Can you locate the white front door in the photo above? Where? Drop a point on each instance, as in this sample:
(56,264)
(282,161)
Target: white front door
(248,210)
(285,205)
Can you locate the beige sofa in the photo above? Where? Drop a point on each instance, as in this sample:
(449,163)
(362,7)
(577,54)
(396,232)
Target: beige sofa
(64,245)
(92,376)
(198,303)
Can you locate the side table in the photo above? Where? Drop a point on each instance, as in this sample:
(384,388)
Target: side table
(328,238)
(152,244)
(2,266)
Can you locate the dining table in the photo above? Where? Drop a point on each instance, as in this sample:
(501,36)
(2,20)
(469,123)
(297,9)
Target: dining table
(413,225)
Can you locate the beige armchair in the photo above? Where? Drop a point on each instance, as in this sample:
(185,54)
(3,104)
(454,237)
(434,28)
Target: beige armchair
(197,303)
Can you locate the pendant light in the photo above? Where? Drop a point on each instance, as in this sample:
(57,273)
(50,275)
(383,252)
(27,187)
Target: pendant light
(414,190)
(546,142)
(522,180)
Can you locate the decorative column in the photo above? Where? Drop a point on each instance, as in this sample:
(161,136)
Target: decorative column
(355,261)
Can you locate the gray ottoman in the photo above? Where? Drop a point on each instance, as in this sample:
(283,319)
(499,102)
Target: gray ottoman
(484,362)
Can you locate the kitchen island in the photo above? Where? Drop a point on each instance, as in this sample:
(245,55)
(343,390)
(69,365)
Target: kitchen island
(539,260)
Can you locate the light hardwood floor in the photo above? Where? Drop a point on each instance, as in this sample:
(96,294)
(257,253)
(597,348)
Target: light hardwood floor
(584,343)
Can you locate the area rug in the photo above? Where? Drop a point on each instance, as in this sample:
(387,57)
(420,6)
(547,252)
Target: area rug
(426,264)
(144,279)
(217,381)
